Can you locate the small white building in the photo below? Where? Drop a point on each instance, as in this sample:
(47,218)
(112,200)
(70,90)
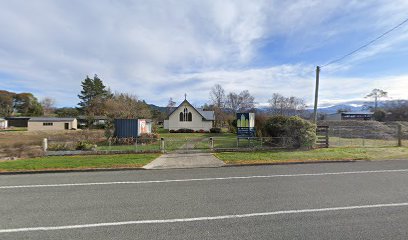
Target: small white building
(185,116)
(51,124)
(3,123)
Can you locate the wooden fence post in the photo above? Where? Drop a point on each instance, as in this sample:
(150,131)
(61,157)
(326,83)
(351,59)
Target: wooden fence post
(399,135)
(45,144)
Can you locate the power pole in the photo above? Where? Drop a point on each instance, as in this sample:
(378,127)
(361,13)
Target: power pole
(316,94)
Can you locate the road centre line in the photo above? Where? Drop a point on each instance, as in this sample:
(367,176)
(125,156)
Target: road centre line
(223,217)
(201,179)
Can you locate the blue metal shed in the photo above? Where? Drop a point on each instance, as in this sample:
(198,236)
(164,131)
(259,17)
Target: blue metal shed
(125,128)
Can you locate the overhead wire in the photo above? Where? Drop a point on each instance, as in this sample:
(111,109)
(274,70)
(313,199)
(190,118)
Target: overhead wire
(365,45)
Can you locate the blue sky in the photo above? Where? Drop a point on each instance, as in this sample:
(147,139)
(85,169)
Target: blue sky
(161,49)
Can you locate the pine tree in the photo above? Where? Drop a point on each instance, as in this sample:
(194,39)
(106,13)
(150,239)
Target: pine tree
(93,90)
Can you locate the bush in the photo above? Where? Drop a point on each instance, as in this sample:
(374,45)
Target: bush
(60,147)
(301,132)
(215,130)
(146,138)
(84,145)
(379,115)
(201,131)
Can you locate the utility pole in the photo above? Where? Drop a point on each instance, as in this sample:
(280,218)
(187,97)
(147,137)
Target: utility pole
(316,94)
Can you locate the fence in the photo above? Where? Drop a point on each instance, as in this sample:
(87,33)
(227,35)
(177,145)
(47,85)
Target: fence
(224,144)
(111,145)
(360,136)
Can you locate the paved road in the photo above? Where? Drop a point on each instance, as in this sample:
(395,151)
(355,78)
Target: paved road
(363,200)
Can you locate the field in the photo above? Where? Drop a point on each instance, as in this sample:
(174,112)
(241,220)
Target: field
(28,144)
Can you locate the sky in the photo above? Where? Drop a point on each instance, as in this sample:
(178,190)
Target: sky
(161,49)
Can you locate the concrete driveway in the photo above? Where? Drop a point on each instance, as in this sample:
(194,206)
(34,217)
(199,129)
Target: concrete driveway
(185,160)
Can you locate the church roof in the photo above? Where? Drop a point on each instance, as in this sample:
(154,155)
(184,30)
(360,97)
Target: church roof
(207,115)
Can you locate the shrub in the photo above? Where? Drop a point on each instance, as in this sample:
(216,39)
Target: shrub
(379,115)
(215,130)
(84,145)
(302,133)
(148,138)
(201,131)
(60,147)
(172,131)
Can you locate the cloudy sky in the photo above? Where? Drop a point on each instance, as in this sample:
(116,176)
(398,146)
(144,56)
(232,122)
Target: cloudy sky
(162,49)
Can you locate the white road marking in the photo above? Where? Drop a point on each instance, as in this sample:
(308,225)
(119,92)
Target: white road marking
(201,179)
(178,220)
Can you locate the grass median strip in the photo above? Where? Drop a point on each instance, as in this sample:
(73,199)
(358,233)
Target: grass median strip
(77,162)
(322,154)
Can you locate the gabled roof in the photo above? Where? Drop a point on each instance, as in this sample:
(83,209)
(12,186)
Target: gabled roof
(50,119)
(207,115)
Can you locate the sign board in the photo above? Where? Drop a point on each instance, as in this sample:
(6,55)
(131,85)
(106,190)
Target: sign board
(144,126)
(246,125)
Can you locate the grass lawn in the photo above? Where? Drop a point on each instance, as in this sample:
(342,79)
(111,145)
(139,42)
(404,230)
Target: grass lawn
(146,147)
(77,162)
(314,155)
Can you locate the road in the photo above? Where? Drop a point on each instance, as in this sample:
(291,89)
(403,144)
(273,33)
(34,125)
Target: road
(361,200)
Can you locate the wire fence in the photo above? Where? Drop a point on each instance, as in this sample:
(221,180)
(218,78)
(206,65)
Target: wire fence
(360,136)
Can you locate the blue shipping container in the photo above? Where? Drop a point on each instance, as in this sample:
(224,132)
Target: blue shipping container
(125,128)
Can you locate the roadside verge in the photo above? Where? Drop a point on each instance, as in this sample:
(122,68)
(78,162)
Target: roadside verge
(312,156)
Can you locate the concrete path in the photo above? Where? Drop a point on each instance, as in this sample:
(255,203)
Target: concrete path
(185,160)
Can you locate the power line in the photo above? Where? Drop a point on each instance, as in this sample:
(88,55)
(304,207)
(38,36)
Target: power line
(367,44)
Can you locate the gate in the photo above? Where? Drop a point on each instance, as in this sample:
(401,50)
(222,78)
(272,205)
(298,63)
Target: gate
(322,134)
(186,145)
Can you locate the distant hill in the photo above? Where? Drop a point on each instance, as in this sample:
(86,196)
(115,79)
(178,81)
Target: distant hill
(154,107)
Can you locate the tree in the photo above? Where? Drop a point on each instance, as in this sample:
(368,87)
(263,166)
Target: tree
(26,104)
(6,103)
(170,106)
(243,101)
(246,101)
(93,93)
(286,106)
(217,96)
(67,112)
(376,94)
(48,104)
(379,115)
(397,110)
(135,108)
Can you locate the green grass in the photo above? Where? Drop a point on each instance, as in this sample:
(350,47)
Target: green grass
(314,155)
(361,142)
(77,162)
(147,147)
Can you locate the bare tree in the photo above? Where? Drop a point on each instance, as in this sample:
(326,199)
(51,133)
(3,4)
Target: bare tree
(246,101)
(286,106)
(48,105)
(217,96)
(170,106)
(233,101)
(243,101)
(377,94)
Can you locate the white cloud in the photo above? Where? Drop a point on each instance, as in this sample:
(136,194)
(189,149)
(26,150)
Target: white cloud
(162,49)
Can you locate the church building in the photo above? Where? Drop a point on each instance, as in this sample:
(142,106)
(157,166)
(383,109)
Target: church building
(185,116)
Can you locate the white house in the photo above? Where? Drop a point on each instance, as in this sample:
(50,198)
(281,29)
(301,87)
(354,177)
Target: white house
(185,116)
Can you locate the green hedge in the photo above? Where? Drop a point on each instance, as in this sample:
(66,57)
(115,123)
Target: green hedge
(301,132)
